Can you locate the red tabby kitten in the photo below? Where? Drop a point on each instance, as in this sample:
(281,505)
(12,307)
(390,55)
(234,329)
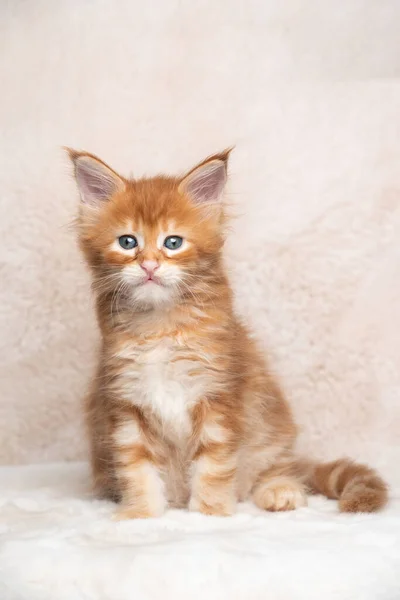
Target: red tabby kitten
(183,410)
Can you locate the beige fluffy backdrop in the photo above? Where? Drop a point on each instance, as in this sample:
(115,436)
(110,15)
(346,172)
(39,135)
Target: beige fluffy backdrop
(310,94)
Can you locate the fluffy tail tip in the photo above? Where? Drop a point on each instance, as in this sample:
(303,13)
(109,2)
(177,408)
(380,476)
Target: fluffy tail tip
(361,498)
(357,487)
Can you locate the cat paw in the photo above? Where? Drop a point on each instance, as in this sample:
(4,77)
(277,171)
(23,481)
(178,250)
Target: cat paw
(280,496)
(216,509)
(125,513)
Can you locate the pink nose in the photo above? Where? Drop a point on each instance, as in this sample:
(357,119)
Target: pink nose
(150,266)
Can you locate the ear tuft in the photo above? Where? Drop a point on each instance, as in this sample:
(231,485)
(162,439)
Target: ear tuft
(96,181)
(205,183)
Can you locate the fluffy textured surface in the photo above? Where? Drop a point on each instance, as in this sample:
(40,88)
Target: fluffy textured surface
(56,543)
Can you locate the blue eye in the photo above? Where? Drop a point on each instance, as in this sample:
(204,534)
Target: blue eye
(173,242)
(127,242)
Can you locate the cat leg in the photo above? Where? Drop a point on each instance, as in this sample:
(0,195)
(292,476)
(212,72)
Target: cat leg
(213,486)
(280,488)
(105,485)
(97,423)
(140,482)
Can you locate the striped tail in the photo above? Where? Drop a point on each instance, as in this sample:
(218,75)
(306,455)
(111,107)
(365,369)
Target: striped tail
(357,487)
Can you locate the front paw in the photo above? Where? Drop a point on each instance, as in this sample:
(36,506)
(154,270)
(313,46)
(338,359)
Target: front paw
(218,508)
(126,512)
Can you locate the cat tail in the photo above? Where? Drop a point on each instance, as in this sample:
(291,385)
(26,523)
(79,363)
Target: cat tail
(357,487)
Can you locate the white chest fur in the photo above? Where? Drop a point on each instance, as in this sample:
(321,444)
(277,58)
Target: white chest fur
(165,377)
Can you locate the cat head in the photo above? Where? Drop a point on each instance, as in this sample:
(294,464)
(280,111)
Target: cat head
(156,240)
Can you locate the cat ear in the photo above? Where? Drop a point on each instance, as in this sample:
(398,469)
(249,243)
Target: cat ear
(205,183)
(96,181)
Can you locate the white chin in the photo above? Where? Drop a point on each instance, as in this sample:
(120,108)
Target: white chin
(152,294)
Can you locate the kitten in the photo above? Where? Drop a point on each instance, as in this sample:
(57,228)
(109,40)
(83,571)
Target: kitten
(183,410)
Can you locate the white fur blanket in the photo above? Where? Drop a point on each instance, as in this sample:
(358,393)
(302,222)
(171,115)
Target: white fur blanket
(59,544)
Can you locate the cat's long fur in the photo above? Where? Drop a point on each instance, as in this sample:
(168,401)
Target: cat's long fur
(183,410)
